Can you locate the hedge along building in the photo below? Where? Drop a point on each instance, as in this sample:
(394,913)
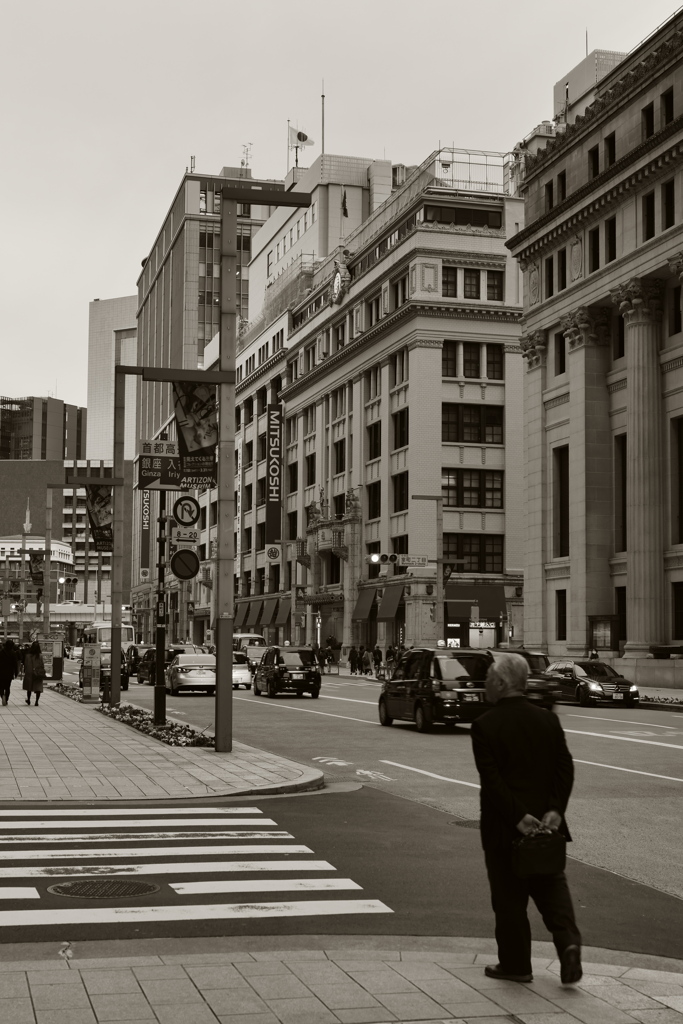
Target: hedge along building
(602,259)
(399,372)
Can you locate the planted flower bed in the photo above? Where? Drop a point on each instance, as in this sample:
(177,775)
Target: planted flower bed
(72,692)
(177,734)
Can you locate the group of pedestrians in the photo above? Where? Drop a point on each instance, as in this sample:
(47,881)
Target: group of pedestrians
(365,662)
(24,663)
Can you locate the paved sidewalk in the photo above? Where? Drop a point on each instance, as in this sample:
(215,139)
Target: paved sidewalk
(329,981)
(62,750)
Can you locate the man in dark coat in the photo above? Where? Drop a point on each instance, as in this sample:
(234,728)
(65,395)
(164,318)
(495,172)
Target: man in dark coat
(526,776)
(9,669)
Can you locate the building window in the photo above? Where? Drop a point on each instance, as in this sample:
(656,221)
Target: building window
(309,358)
(593,162)
(449,354)
(338,402)
(549,201)
(677,611)
(472,284)
(495,285)
(593,250)
(647,115)
(494,362)
(374,441)
(400,290)
(373,383)
(471,359)
(292,525)
(610,149)
(561,186)
(610,239)
(247,539)
(400,420)
(449,282)
(677,482)
(472,488)
(399,367)
(400,547)
(668,205)
(340,455)
(373,310)
(619,338)
(561,502)
(262,447)
(260,536)
(309,420)
(293,477)
(260,491)
(667,107)
(561,270)
(560,353)
(248,503)
(339,506)
(560,614)
(374,496)
(675,311)
(648,210)
(269,266)
(476,552)
(474,424)
(549,277)
(620,524)
(310,469)
(400,484)
(340,335)
(291,430)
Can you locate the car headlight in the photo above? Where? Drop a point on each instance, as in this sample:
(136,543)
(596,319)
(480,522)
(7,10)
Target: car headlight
(594,686)
(633,689)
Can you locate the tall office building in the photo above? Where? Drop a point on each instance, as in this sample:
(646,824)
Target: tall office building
(41,428)
(112,339)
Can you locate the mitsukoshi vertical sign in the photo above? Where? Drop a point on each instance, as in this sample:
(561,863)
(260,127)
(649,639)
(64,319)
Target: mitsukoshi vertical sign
(145,525)
(274,473)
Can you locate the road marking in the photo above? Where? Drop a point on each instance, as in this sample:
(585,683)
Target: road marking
(633,771)
(20,892)
(625,721)
(115,812)
(333,760)
(351,700)
(326,714)
(375,776)
(166,868)
(43,823)
(421,771)
(135,837)
(200,912)
(156,851)
(624,739)
(263,885)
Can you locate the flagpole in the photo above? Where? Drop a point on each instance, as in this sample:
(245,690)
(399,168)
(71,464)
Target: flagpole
(323,113)
(287,145)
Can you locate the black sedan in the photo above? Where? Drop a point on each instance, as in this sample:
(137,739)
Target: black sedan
(287,670)
(594,682)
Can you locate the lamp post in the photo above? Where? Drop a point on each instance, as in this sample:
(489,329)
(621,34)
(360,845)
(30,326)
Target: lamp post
(438,498)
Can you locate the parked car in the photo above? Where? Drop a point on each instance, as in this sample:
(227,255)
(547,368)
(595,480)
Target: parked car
(287,670)
(543,687)
(147,665)
(592,682)
(241,673)
(430,685)
(105,670)
(192,672)
(134,656)
(254,653)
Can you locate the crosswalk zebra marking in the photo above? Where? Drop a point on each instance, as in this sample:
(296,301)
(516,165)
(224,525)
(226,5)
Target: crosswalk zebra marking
(18,892)
(44,823)
(118,837)
(263,885)
(116,812)
(156,851)
(165,868)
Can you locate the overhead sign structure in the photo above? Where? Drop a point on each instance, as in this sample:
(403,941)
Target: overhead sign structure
(185,564)
(186,511)
(414,560)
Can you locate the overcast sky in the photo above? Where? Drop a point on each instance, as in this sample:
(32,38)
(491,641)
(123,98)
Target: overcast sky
(105,102)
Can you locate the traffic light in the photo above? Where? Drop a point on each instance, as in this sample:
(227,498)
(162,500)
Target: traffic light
(381,558)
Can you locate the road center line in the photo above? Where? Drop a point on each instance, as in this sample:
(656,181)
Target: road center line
(352,700)
(308,711)
(432,775)
(632,771)
(624,721)
(624,739)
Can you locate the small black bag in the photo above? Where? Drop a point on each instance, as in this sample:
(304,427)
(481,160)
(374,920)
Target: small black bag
(541,853)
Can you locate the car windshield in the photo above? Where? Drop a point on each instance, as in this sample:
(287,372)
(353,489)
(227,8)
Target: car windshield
(595,670)
(189,660)
(239,658)
(537,662)
(297,659)
(255,653)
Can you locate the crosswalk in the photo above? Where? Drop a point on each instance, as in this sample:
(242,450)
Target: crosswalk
(200,864)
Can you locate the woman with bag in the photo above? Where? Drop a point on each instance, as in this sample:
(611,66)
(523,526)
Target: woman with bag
(34,672)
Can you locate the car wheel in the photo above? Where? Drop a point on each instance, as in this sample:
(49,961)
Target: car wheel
(247,686)
(299,693)
(384,716)
(168,690)
(423,719)
(271,691)
(582,697)
(315,692)
(257,692)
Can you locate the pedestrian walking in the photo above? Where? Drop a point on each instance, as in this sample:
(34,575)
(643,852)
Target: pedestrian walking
(526,774)
(390,660)
(320,656)
(34,672)
(353,660)
(367,663)
(9,669)
(329,658)
(377,659)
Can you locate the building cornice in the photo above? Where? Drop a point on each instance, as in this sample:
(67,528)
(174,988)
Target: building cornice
(261,371)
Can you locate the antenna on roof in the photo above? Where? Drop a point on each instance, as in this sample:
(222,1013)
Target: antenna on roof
(191,165)
(246,154)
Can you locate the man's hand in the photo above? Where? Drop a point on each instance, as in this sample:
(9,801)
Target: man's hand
(529,824)
(552,819)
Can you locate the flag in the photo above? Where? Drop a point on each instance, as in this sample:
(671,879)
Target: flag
(98,502)
(345,209)
(297,138)
(196,414)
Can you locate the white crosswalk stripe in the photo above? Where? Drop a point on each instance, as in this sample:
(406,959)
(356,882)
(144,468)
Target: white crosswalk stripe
(167,847)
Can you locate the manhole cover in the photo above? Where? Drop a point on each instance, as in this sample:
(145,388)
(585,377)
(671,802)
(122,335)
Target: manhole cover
(103,890)
(465,823)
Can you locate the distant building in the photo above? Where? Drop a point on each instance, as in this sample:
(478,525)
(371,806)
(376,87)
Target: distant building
(41,428)
(112,339)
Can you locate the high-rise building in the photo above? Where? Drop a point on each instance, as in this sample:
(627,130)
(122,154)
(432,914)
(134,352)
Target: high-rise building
(603,399)
(41,428)
(112,339)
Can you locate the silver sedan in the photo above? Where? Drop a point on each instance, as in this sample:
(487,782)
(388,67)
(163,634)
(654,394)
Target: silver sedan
(192,672)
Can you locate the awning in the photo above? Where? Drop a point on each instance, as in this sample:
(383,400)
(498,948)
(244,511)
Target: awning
(364,604)
(283,611)
(268,611)
(389,604)
(490,600)
(239,615)
(254,609)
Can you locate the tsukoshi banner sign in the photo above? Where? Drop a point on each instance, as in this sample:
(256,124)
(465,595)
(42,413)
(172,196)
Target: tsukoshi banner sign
(274,474)
(98,501)
(145,522)
(196,414)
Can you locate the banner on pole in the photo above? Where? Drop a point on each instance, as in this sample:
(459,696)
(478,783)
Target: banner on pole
(196,414)
(144,535)
(98,501)
(274,483)
(36,561)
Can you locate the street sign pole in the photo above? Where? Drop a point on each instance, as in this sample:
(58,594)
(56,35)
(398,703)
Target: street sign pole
(117,536)
(160,659)
(47,562)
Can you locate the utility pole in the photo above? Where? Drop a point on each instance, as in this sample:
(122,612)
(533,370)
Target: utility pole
(26,530)
(438,498)
(160,653)
(48,561)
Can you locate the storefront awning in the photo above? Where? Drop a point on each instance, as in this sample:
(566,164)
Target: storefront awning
(240,614)
(283,611)
(254,609)
(364,604)
(268,611)
(389,604)
(490,601)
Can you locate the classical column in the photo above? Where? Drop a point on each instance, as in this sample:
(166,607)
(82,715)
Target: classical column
(640,303)
(533,346)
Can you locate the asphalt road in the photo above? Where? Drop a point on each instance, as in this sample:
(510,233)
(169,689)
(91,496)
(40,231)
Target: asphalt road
(624,812)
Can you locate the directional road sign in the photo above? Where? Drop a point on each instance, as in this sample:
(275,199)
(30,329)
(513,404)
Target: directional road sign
(186,511)
(415,560)
(183,537)
(185,564)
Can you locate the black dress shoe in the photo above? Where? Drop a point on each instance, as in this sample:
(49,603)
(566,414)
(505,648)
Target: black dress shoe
(570,965)
(496,971)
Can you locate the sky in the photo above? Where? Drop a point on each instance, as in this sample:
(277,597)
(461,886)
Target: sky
(103,104)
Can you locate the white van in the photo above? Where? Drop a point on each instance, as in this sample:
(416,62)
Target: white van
(240,640)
